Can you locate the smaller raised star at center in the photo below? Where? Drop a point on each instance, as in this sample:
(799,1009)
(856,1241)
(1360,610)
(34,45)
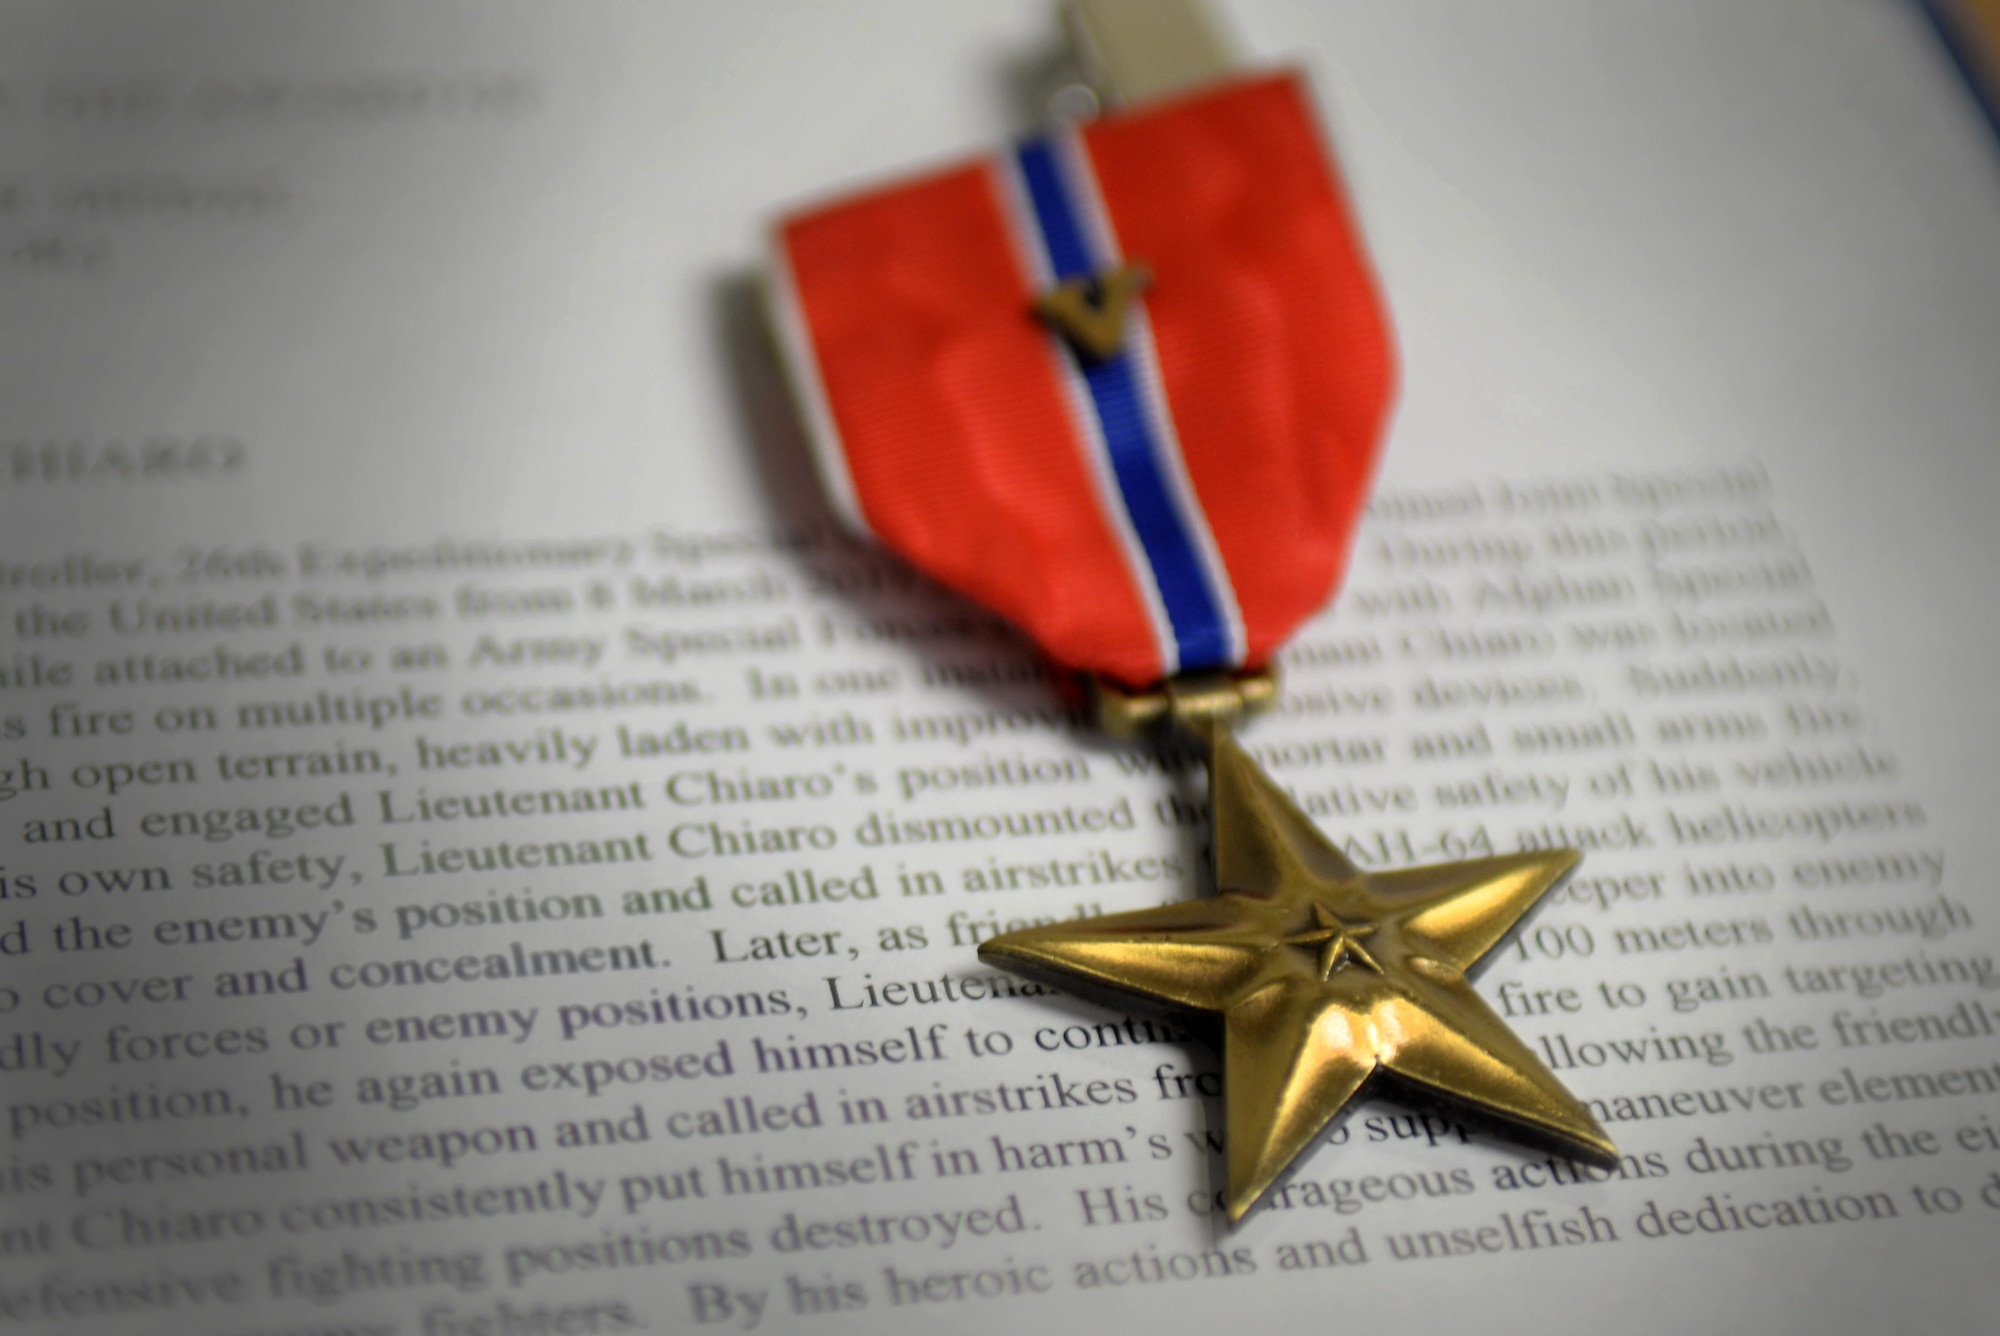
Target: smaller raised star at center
(1338,942)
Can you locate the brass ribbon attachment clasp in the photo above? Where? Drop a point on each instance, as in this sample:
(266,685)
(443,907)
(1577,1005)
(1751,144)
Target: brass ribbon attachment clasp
(1199,703)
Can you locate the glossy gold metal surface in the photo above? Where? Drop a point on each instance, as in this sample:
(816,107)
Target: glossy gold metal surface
(1206,698)
(1323,975)
(1092,312)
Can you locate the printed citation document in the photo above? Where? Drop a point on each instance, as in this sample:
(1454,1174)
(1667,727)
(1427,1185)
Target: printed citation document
(482,853)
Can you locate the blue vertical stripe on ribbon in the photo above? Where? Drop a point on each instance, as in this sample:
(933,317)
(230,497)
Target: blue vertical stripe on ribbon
(1201,633)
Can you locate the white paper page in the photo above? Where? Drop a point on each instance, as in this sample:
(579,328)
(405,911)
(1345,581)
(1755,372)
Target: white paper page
(482,854)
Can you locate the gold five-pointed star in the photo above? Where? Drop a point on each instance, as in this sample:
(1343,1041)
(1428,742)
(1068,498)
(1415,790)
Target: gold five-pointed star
(1324,975)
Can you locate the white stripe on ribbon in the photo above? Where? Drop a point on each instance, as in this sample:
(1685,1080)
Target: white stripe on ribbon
(1026,235)
(1073,160)
(788,320)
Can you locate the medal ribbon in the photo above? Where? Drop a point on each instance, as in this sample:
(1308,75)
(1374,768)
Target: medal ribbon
(1180,504)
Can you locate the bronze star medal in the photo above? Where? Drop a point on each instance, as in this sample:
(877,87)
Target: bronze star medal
(1124,383)
(1323,975)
